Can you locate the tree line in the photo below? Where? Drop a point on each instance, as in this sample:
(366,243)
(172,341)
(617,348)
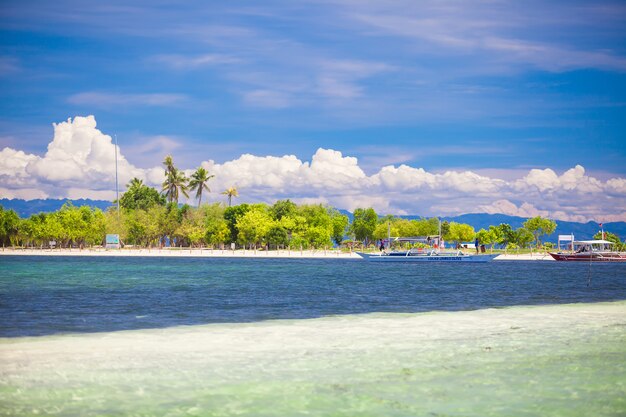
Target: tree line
(152,218)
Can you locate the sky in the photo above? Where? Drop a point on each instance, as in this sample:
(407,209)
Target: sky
(426,108)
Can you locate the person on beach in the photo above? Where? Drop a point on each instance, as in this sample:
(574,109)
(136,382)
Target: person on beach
(476,244)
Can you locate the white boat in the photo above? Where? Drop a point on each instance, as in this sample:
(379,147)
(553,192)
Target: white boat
(591,251)
(436,253)
(430,255)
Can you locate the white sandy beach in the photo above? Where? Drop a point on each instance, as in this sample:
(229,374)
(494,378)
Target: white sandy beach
(240,253)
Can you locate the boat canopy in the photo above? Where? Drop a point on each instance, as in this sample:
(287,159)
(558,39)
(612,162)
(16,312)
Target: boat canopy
(591,242)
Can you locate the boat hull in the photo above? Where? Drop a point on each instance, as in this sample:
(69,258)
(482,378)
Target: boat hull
(426,258)
(590,257)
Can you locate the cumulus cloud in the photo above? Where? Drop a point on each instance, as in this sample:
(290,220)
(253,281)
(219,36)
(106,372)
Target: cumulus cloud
(79,157)
(80,162)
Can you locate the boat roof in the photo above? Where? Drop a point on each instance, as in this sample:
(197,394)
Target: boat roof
(589,242)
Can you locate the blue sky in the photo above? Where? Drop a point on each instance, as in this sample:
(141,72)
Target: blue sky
(494,87)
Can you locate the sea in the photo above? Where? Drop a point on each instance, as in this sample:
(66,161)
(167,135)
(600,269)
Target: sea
(87,336)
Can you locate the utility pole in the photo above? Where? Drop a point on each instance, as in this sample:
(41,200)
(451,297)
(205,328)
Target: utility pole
(117,190)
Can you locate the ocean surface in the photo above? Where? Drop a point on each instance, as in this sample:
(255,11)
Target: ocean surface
(288,337)
(49,295)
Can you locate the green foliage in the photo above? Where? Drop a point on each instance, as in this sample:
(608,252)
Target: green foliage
(611,237)
(460,232)
(523,237)
(140,196)
(539,227)
(175,183)
(364,224)
(199,181)
(254,226)
(9,226)
(283,208)
(232,215)
(487,237)
(339,224)
(505,233)
(277,235)
(445,229)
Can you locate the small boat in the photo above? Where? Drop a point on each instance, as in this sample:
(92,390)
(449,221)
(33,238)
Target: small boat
(591,251)
(431,255)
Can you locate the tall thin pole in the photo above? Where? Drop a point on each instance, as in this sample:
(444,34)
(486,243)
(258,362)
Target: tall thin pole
(117,189)
(439,237)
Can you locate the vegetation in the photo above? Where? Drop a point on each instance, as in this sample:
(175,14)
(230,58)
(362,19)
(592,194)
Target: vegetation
(151,219)
(539,227)
(230,193)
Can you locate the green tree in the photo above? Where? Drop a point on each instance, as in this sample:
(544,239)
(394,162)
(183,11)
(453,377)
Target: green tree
(175,184)
(364,224)
(199,181)
(140,196)
(192,228)
(445,229)
(283,208)
(539,227)
(230,193)
(253,226)
(232,215)
(506,234)
(277,235)
(339,224)
(523,237)
(9,226)
(486,237)
(460,232)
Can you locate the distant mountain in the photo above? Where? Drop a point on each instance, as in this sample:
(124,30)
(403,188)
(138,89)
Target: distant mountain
(26,208)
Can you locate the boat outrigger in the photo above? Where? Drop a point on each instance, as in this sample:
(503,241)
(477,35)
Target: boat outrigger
(591,251)
(433,252)
(425,255)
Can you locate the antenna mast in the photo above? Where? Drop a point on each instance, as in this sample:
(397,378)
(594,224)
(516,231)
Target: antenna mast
(117,190)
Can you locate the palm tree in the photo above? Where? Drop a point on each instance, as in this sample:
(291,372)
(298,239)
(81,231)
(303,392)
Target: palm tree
(175,183)
(198,181)
(231,192)
(134,183)
(169,164)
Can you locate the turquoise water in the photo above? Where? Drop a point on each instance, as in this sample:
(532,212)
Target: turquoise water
(220,337)
(43,295)
(567,360)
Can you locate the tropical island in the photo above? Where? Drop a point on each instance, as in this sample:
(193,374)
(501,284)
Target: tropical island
(145,217)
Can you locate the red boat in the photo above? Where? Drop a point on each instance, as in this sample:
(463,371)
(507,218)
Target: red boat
(591,251)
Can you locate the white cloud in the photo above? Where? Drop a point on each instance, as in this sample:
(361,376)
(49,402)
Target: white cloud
(80,162)
(79,157)
(108,100)
(184,62)
(268,98)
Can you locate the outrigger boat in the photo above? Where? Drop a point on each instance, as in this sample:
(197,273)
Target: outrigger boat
(591,251)
(429,254)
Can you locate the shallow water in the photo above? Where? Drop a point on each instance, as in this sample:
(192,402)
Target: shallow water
(49,295)
(564,360)
(290,337)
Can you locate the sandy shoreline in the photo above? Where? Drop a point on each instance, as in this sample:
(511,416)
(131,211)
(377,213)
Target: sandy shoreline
(218,253)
